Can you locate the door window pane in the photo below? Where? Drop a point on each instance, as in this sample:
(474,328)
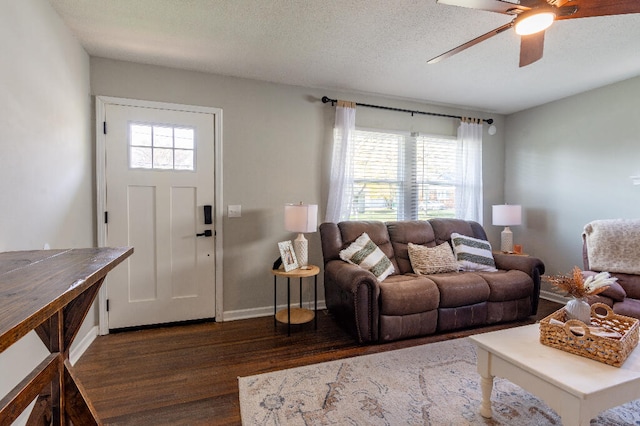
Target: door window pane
(140,135)
(161,147)
(140,158)
(183,159)
(184,138)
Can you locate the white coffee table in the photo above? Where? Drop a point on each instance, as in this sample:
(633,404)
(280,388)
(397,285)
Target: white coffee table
(577,388)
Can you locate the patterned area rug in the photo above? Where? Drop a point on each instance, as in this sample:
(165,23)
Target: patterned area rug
(434,384)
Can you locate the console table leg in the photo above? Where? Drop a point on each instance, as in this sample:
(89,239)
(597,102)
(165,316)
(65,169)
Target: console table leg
(486,384)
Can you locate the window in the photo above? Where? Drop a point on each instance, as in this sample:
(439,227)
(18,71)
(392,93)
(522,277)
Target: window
(161,147)
(403,177)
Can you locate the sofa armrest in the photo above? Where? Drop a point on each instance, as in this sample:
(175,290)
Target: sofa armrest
(351,295)
(530,265)
(527,264)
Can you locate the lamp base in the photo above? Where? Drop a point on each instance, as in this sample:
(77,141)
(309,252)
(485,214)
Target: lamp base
(506,240)
(301,247)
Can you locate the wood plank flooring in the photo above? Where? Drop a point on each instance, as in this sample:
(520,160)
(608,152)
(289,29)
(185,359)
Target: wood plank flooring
(187,375)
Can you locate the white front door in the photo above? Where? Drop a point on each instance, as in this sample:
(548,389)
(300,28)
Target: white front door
(159,179)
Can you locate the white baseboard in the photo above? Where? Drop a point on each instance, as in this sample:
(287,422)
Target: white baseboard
(554,297)
(79,346)
(265,311)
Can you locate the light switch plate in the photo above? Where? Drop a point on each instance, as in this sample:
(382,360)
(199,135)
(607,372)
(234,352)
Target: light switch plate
(234,210)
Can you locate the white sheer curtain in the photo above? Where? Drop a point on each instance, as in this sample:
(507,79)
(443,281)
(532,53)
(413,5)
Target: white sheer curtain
(469,188)
(339,201)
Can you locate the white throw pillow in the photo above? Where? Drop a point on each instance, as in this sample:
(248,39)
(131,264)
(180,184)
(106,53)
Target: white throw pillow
(432,260)
(366,254)
(472,254)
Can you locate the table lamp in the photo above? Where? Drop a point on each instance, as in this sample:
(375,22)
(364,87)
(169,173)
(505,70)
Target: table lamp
(507,215)
(301,218)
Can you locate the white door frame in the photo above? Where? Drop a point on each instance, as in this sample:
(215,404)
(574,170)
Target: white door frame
(101,189)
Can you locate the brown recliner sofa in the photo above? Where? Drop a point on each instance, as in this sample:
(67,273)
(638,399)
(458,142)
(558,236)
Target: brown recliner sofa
(408,305)
(618,239)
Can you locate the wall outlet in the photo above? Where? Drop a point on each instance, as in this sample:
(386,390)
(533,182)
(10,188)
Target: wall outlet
(234,210)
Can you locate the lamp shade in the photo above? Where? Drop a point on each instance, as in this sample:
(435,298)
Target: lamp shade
(507,215)
(301,217)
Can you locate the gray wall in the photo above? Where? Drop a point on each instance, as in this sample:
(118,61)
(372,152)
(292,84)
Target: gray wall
(275,144)
(46,166)
(568,163)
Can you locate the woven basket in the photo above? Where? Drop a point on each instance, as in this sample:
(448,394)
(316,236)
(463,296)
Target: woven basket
(604,349)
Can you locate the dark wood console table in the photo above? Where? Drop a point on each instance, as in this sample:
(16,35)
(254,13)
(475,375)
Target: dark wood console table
(51,291)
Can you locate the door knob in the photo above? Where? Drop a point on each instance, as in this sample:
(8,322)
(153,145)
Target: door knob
(206,233)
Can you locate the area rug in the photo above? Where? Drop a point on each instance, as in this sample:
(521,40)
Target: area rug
(434,384)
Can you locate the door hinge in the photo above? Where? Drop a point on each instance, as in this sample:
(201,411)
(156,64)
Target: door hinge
(107,305)
(106,217)
(104,127)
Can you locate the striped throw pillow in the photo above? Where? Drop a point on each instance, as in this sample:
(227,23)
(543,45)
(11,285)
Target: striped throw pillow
(472,254)
(366,254)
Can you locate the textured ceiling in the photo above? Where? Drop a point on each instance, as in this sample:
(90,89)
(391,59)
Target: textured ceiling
(370,46)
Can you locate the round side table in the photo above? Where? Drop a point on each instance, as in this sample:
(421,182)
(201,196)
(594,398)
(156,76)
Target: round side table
(295,315)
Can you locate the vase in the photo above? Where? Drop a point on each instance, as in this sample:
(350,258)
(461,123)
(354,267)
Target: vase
(578,308)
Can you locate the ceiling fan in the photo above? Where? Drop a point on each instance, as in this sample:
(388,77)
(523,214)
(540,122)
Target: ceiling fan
(533,17)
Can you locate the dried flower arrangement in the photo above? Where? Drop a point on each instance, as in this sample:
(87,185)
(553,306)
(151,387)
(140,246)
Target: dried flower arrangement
(577,286)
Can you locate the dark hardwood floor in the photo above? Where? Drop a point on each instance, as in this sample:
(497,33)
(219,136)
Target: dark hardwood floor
(187,375)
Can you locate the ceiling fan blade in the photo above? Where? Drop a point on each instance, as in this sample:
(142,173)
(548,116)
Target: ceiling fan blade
(556,3)
(592,8)
(497,6)
(531,48)
(468,44)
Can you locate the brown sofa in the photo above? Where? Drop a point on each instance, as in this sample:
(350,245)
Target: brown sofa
(624,295)
(407,305)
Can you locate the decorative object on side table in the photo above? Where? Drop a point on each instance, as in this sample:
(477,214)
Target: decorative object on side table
(288,256)
(301,218)
(507,215)
(576,286)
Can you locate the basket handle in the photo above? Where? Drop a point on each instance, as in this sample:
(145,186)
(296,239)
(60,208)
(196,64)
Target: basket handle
(599,305)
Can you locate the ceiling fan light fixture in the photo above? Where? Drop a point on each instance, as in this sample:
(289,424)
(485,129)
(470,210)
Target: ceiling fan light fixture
(534,21)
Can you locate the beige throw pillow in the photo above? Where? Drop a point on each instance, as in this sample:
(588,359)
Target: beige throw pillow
(432,260)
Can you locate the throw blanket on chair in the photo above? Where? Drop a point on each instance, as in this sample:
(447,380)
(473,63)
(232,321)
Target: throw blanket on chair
(613,245)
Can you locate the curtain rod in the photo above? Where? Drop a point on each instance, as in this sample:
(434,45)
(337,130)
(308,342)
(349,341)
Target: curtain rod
(435,114)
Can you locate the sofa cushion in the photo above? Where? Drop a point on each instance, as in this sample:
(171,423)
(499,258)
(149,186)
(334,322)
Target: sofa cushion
(432,260)
(443,228)
(364,253)
(472,254)
(508,285)
(408,294)
(630,283)
(629,308)
(460,288)
(402,233)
